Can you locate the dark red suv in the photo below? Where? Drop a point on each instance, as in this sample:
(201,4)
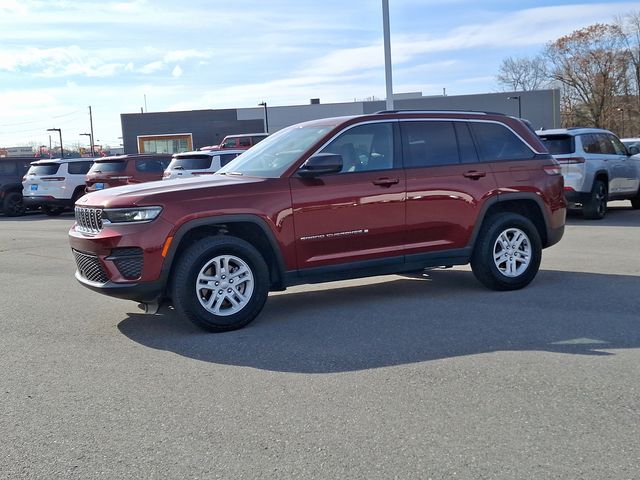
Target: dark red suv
(115,171)
(324,200)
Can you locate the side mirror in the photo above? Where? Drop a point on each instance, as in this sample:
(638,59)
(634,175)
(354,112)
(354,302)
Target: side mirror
(321,164)
(633,150)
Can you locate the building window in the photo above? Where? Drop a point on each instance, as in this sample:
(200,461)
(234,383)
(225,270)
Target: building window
(165,143)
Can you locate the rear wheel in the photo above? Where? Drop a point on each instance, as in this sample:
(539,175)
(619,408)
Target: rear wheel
(596,207)
(507,253)
(13,205)
(220,283)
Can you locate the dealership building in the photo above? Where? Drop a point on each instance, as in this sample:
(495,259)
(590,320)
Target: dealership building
(171,132)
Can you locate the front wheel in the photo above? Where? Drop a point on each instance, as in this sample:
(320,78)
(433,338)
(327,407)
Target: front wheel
(220,283)
(507,253)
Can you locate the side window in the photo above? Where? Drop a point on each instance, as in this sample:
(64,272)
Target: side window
(429,144)
(606,145)
(497,142)
(150,165)
(229,143)
(364,147)
(255,140)
(590,143)
(618,146)
(226,158)
(466,146)
(78,168)
(245,141)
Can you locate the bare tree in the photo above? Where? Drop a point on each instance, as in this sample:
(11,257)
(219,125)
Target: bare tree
(523,73)
(592,62)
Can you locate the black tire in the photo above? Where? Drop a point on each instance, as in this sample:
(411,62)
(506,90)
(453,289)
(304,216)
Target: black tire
(52,211)
(635,201)
(596,207)
(13,205)
(487,270)
(187,300)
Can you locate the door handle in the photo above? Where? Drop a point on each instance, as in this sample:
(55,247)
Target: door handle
(386,182)
(474,174)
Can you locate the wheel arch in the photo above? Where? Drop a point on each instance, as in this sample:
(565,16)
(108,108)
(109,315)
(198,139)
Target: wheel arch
(249,228)
(528,205)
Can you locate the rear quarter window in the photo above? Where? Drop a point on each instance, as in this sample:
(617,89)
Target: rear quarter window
(78,168)
(108,166)
(496,142)
(150,165)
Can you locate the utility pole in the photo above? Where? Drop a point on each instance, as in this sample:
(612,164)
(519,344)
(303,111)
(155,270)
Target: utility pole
(93,153)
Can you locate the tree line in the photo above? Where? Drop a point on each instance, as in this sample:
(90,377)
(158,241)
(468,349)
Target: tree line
(597,70)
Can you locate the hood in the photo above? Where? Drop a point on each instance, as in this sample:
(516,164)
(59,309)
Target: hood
(157,192)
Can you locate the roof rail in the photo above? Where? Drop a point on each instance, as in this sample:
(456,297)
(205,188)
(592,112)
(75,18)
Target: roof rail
(472,112)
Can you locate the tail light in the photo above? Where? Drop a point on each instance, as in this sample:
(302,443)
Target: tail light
(571,160)
(552,169)
(568,188)
(52,179)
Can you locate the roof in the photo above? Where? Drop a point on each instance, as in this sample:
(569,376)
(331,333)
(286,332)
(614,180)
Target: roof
(62,160)
(573,131)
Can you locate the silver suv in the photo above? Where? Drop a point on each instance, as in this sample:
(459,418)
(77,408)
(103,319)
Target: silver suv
(596,166)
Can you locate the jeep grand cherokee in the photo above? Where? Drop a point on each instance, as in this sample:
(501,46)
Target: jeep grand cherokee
(325,200)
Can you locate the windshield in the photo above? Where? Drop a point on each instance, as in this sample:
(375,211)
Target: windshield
(275,154)
(108,166)
(44,169)
(559,144)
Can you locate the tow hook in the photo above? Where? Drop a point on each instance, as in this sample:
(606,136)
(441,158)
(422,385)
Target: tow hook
(151,307)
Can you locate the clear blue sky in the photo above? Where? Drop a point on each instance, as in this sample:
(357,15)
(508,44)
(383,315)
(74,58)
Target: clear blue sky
(57,57)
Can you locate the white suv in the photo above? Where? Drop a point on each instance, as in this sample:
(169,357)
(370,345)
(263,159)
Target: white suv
(190,164)
(54,185)
(596,166)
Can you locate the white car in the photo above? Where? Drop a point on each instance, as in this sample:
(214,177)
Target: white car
(55,184)
(191,164)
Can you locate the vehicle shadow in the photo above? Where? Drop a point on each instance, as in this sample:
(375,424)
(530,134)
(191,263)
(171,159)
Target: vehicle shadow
(406,320)
(619,214)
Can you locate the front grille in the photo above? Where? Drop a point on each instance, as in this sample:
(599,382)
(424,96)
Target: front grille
(90,267)
(89,220)
(128,261)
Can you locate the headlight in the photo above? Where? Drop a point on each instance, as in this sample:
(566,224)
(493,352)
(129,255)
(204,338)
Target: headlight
(130,215)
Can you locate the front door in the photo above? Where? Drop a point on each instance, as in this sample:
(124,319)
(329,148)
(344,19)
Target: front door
(357,214)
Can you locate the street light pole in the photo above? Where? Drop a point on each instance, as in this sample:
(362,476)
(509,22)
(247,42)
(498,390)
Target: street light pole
(90,142)
(266,118)
(621,110)
(93,153)
(517,97)
(387,53)
(59,130)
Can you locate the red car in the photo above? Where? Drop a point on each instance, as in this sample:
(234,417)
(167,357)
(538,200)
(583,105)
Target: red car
(241,141)
(325,200)
(108,172)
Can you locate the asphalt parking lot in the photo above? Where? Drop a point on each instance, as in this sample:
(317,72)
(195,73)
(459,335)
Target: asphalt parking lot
(390,377)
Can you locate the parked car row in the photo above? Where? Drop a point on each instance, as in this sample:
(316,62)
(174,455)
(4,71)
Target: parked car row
(596,165)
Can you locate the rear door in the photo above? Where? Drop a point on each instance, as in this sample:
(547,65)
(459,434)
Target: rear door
(446,184)
(358,214)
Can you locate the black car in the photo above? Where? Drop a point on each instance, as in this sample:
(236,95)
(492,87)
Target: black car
(12,170)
